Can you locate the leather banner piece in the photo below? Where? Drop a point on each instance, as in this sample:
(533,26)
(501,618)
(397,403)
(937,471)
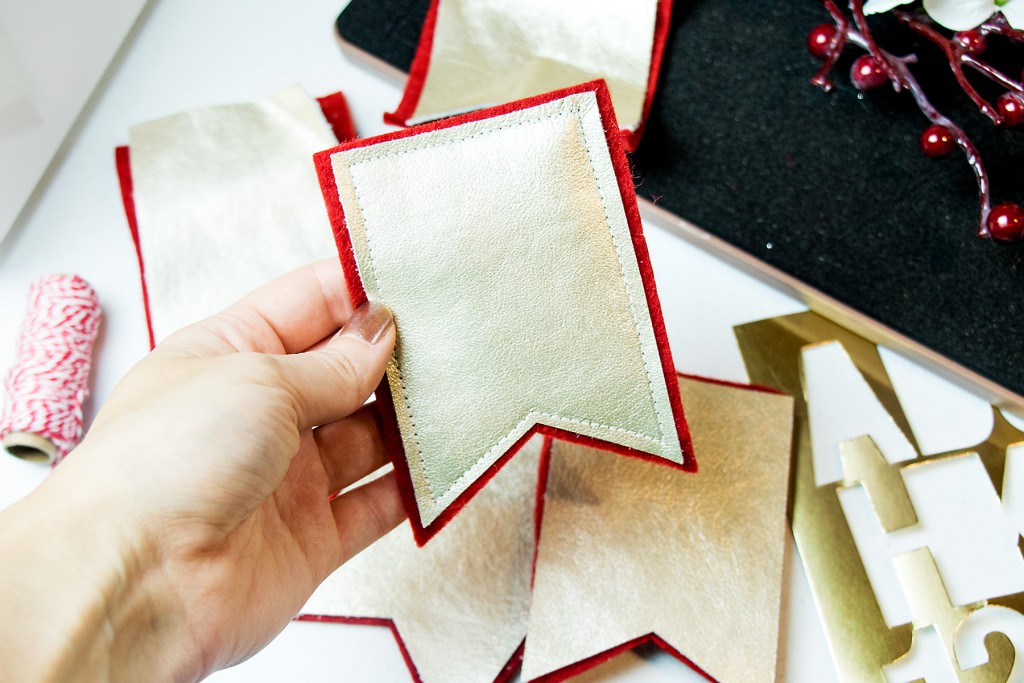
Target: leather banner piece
(630,552)
(508,245)
(479,53)
(458,606)
(222,199)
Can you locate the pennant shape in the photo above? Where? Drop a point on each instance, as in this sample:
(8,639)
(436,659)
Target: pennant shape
(458,607)
(632,553)
(508,245)
(200,186)
(474,54)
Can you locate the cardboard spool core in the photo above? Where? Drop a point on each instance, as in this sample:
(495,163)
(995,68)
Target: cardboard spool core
(30,447)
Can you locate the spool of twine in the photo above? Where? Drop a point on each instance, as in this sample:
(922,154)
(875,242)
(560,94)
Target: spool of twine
(48,384)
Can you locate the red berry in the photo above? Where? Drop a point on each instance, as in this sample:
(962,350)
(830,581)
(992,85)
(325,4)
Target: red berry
(820,39)
(937,141)
(867,73)
(973,41)
(1011,108)
(1006,222)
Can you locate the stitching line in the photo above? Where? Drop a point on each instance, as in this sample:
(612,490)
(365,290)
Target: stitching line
(622,269)
(449,143)
(435,497)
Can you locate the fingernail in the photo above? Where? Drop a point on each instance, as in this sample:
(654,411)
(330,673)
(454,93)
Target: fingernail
(370,322)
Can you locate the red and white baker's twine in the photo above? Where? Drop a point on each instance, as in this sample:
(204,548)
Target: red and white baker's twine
(50,380)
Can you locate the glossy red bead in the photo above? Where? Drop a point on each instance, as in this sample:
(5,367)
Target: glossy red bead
(1011,108)
(973,41)
(867,73)
(1006,222)
(820,39)
(937,141)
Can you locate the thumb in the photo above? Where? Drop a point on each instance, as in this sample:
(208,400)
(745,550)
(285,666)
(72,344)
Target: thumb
(336,379)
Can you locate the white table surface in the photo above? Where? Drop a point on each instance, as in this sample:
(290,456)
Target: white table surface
(49,68)
(192,53)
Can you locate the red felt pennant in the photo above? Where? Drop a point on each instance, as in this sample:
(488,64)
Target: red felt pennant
(506,674)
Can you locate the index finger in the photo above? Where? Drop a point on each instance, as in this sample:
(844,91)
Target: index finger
(287,315)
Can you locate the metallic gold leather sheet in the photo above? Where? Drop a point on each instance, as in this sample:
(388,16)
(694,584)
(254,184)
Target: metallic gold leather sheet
(460,602)
(486,52)
(628,548)
(503,248)
(227,198)
(864,648)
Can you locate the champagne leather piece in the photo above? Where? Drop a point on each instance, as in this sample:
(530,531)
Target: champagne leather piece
(227,199)
(503,248)
(628,548)
(460,603)
(486,52)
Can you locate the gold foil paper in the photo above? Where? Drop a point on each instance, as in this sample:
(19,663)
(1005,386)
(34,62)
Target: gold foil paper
(227,198)
(628,548)
(486,52)
(504,250)
(864,648)
(460,602)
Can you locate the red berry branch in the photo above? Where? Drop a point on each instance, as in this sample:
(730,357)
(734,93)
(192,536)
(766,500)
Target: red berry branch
(963,50)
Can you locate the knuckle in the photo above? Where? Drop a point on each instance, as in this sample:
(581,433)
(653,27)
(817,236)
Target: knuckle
(346,375)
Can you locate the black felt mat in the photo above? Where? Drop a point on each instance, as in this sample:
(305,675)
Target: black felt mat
(830,188)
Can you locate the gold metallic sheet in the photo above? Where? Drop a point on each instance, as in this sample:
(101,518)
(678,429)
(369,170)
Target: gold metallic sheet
(460,602)
(227,198)
(860,641)
(503,248)
(487,52)
(629,548)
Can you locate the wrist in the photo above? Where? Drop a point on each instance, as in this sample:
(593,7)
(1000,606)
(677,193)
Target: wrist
(83,592)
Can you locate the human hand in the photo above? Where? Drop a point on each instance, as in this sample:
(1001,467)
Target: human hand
(194,520)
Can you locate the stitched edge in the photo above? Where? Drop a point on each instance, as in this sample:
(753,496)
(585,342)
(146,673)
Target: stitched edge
(530,417)
(622,269)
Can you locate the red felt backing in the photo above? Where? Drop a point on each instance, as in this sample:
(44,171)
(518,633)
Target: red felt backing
(336,112)
(417,72)
(506,674)
(122,159)
(325,169)
(421,66)
(590,662)
(663,22)
(602,657)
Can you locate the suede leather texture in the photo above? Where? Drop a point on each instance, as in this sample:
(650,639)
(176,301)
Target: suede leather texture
(502,247)
(226,199)
(489,52)
(460,603)
(628,548)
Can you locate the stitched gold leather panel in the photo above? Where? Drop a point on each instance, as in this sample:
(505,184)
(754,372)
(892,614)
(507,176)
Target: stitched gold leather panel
(503,249)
